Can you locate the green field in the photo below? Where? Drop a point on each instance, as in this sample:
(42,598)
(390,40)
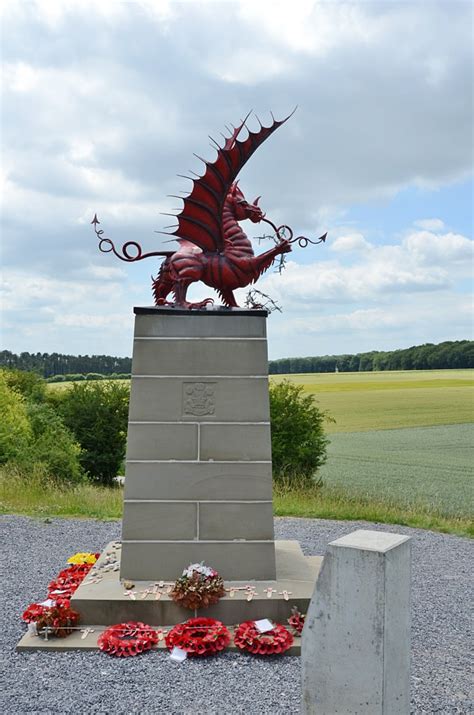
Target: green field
(401,448)
(430,466)
(361,401)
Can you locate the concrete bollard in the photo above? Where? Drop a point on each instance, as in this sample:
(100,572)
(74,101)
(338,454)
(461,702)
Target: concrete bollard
(355,652)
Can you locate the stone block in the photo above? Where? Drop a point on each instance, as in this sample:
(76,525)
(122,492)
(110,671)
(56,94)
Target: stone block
(164,441)
(200,357)
(200,326)
(165,399)
(235,442)
(159,520)
(151,560)
(241,520)
(356,639)
(198,481)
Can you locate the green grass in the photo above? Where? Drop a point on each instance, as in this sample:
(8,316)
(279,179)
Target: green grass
(336,503)
(391,400)
(35,496)
(44,500)
(429,466)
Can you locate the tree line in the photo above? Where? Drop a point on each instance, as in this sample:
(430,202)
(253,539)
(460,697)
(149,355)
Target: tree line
(449,354)
(50,364)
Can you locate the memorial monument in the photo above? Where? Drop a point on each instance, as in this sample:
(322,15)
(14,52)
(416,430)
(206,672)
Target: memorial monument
(198,482)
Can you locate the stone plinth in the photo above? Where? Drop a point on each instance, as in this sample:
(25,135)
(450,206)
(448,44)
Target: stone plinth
(107,601)
(356,639)
(198,483)
(102,599)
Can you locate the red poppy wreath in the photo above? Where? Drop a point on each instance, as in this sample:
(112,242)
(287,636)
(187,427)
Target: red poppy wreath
(128,639)
(199,637)
(55,615)
(67,582)
(59,620)
(248,637)
(34,612)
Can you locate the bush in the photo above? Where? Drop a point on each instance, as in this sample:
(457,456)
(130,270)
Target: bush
(96,413)
(33,438)
(53,445)
(299,444)
(94,376)
(15,429)
(29,384)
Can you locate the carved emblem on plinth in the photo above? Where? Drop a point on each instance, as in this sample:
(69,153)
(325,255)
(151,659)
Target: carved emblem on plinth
(199,398)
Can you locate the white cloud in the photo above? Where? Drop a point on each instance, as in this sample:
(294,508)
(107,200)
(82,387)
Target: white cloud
(385,295)
(430,224)
(55,314)
(403,323)
(309,27)
(350,242)
(84,320)
(105,129)
(107,272)
(141,108)
(383,319)
(423,262)
(439,249)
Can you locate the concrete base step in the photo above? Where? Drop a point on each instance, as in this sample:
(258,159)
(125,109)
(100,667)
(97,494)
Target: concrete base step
(102,599)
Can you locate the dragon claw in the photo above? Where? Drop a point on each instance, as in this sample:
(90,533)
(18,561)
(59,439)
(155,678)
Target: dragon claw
(186,304)
(196,306)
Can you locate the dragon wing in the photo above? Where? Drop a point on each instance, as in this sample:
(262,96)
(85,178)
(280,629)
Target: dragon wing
(200,220)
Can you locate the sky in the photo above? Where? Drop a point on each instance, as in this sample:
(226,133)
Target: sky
(104,103)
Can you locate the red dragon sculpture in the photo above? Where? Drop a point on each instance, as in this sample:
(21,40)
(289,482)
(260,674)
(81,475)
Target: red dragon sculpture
(212,246)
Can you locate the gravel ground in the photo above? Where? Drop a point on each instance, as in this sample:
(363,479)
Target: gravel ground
(231,683)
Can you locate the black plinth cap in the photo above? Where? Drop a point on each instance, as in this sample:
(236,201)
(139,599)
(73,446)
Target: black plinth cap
(169,310)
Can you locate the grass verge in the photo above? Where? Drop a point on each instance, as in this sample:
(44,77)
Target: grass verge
(334,503)
(39,496)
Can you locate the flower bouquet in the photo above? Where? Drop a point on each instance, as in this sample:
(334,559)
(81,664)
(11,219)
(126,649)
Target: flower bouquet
(199,587)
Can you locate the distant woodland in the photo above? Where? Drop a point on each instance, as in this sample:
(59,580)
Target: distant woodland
(49,365)
(450,354)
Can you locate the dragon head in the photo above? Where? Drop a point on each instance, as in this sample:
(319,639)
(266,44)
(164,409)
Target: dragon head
(242,208)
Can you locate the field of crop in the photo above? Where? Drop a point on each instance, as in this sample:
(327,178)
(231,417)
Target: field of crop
(403,441)
(391,400)
(429,466)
